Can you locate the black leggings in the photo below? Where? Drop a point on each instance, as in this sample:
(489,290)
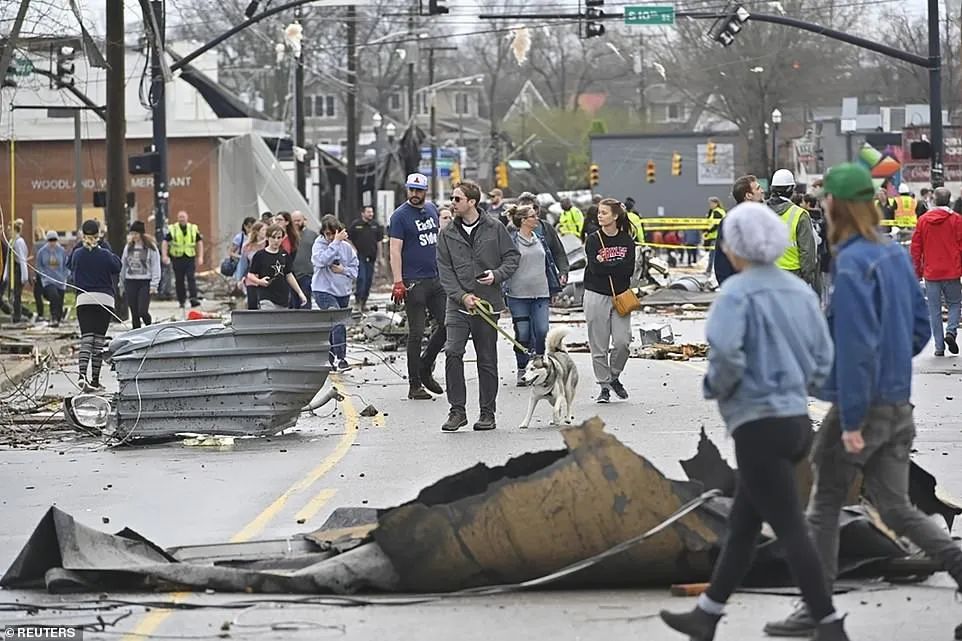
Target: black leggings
(138,300)
(94,320)
(767,451)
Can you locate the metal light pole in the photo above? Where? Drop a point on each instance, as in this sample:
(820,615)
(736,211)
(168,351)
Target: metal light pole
(158,97)
(295,36)
(377,120)
(776,121)
(937,172)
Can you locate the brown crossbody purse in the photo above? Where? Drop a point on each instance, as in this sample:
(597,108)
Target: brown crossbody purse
(625,302)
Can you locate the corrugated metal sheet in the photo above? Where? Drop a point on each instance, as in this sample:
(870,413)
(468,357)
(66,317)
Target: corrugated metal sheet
(251,376)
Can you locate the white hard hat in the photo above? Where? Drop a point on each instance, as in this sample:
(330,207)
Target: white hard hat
(904,189)
(783,178)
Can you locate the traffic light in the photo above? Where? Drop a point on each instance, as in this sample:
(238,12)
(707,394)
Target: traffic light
(594,175)
(435,8)
(676,164)
(501,176)
(455,173)
(651,171)
(729,24)
(65,66)
(710,153)
(8,78)
(594,12)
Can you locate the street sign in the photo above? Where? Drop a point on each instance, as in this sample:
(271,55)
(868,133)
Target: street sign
(22,67)
(650,14)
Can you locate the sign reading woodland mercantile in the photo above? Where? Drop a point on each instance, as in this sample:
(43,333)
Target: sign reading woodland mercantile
(136,182)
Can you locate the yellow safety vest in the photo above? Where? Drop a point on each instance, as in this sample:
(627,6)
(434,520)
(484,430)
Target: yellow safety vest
(183,244)
(791,260)
(718,214)
(572,222)
(905,215)
(639,228)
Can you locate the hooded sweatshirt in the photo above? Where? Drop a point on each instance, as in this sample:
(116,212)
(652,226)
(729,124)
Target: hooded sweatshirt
(937,245)
(804,238)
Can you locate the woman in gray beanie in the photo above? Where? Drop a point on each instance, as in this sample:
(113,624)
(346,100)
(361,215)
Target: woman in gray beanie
(768,346)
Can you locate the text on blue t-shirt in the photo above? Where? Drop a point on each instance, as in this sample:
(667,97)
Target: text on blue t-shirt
(418,228)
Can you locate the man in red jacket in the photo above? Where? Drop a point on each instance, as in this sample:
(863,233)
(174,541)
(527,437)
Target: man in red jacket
(937,255)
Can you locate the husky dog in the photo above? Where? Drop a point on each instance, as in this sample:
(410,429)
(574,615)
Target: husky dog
(553,377)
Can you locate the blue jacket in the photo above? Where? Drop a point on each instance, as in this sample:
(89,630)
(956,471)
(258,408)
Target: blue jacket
(52,265)
(879,321)
(769,346)
(323,255)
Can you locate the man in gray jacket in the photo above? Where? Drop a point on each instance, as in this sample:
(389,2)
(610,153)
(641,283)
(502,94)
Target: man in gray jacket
(475,256)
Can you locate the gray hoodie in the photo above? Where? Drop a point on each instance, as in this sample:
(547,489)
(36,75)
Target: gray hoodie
(461,258)
(804,237)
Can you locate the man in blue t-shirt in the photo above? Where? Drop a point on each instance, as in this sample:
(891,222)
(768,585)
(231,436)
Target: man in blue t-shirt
(413,232)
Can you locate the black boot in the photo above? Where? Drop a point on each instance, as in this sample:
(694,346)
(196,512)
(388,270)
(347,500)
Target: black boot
(697,624)
(834,631)
(958,632)
(427,380)
(951,560)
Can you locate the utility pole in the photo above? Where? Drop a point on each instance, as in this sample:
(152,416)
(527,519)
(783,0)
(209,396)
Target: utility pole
(350,202)
(935,97)
(78,170)
(116,146)
(7,54)
(300,164)
(158,99)
(411,67)
(434,119)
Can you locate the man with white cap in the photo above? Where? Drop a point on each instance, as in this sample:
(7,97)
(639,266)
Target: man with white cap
(905,206)
(413,231)
(801,257)
(769,345)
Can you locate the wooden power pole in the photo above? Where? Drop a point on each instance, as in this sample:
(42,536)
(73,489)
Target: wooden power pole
(116,148)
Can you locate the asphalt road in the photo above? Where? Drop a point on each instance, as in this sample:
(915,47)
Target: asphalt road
(260,488)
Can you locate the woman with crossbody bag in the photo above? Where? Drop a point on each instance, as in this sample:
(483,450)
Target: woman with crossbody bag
(608,300)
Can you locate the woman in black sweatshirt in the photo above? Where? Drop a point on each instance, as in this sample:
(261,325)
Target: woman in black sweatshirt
(93,267)
(611,262)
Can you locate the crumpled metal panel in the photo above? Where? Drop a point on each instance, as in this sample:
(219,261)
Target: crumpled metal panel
(251,376)
(544,511)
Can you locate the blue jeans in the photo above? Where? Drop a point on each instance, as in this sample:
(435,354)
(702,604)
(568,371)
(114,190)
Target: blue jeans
(338,332)
(952,291)
(365,277)
(305,283)
(530,318)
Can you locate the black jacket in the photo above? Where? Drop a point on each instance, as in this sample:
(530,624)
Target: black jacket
(723,266)
(366,238)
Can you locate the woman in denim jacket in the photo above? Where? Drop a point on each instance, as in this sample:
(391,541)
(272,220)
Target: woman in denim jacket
(769,346)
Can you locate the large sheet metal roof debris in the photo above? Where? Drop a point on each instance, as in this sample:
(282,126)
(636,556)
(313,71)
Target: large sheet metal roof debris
(197,376)
(537,514)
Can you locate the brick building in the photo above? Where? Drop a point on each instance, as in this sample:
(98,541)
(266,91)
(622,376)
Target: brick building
(216,180)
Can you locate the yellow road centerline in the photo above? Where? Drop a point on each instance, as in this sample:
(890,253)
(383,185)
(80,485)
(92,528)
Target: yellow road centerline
(315,504)
(149,624)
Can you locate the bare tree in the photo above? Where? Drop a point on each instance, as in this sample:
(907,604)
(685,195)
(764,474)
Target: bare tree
(767,66)
(896,82)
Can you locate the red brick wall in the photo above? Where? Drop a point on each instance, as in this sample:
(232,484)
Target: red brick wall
(45,176)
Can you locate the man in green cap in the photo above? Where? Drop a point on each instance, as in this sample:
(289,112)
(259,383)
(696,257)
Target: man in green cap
(879,321)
